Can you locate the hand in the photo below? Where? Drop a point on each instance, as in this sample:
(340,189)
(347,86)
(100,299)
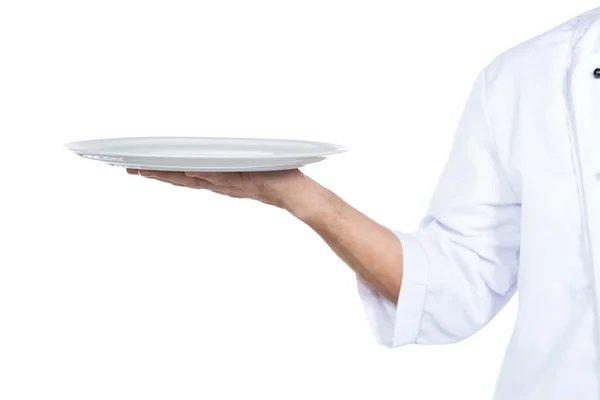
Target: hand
(288,189)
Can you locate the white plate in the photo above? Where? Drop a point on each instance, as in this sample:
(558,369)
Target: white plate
(205,153)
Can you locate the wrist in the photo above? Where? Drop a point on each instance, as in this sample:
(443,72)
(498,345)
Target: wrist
(311,201)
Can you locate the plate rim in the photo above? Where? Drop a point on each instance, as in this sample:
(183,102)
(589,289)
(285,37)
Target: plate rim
(337,148)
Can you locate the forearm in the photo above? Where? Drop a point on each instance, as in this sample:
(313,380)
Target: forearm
(371,250)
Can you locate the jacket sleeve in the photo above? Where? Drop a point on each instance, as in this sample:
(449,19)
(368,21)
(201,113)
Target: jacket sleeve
(460,264)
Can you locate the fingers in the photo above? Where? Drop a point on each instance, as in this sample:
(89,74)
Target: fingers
(219,178)
(182,179)
(166,181)
(173,177)
(187,178)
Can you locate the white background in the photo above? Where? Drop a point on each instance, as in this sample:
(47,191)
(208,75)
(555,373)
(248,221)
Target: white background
(117,287)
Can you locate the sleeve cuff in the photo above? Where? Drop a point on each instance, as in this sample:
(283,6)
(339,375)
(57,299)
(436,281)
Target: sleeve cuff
(395,325)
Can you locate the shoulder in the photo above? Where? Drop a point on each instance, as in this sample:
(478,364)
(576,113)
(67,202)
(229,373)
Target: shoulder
(549,51)
(525,89)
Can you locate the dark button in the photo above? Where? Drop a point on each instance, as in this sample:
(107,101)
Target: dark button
(597,73)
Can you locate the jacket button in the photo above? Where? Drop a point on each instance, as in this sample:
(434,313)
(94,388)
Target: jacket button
(597,73)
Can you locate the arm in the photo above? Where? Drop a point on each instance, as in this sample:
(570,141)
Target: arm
(454,273)
(439,284)
(460,265)
(371,250)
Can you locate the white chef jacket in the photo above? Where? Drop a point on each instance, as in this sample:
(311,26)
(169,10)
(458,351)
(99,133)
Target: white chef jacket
(517,207)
